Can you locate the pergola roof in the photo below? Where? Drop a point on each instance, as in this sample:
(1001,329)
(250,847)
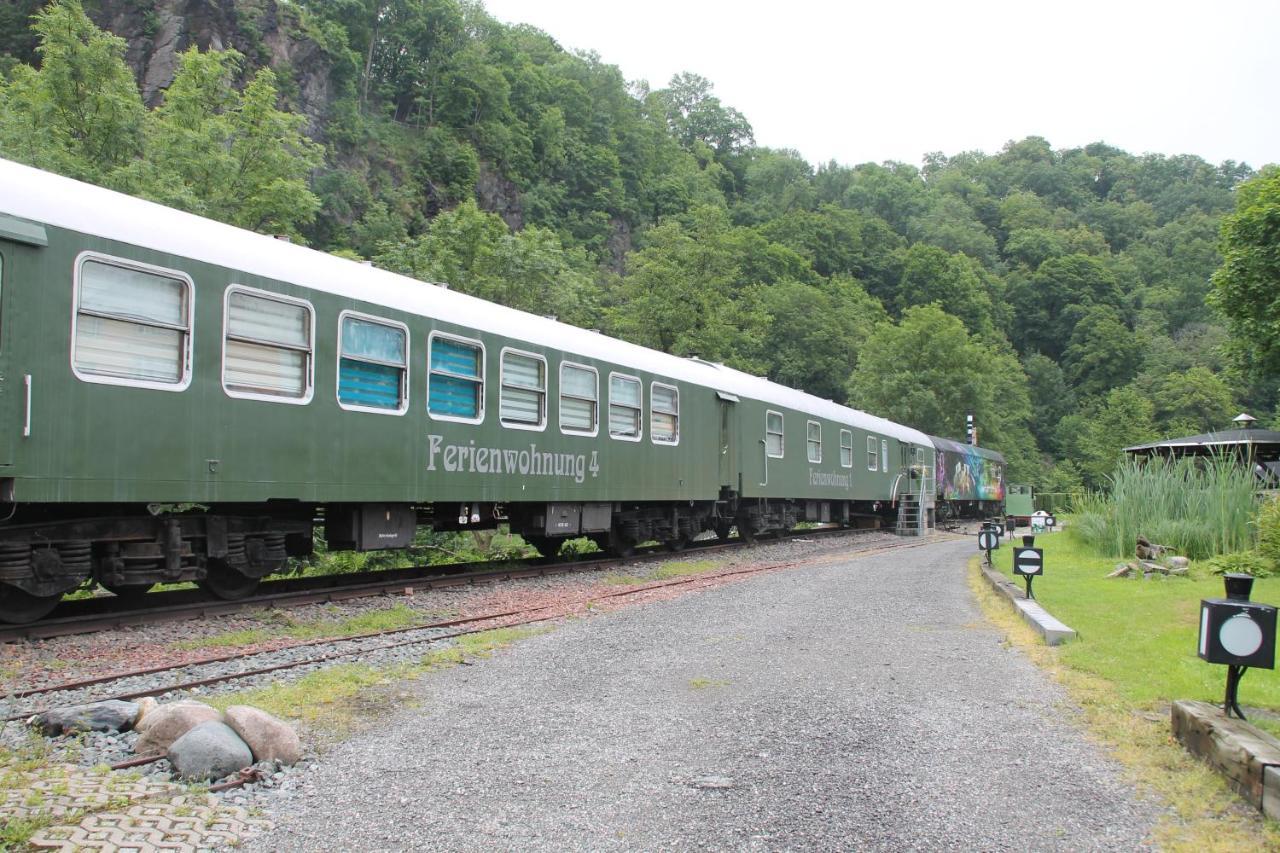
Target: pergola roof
(1233,438)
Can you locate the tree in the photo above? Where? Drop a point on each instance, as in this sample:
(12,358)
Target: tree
(1052,301)
(694,115)
(1125,418)
(1051,398)
(1103,353)
(1246,289)
(1193,402)
(928,372)
(80,114)
(956,282)
(815,333)
(230,156)
(474,253)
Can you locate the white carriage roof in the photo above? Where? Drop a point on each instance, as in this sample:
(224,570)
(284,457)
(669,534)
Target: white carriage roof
(65,203)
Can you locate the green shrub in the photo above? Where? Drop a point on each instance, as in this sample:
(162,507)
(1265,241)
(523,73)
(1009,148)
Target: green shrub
(1268,524)
(1249,562)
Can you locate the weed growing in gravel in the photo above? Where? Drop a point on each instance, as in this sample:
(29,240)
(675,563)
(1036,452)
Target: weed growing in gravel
(1203,813)
(33,756)
(666,571)
(333,701)
(369,622)
(704,683)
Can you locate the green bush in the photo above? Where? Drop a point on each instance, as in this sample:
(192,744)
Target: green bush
(1268,524)
(1249,562)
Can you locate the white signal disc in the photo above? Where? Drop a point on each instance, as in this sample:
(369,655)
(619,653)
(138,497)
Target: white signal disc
(1240,635)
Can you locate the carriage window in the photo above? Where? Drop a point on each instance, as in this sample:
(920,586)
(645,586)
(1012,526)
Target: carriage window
(133,325)
(884,454)
(813,441)
(455,387)
(373,362)
(773,444)
(664,414)
(579,399)
(846,449)
(523,400)
(268,347)
(624,407)
(871,454)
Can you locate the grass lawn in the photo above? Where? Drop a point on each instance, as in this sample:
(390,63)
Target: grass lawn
(1135,654)
(1140,635)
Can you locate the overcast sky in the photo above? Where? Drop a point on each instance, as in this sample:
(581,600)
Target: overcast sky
(858,81)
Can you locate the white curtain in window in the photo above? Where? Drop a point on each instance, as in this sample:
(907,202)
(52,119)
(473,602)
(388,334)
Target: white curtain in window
(269,321)
(132,294)
(624,407)
(577,399)
(128,350)
(523,382)
(267,370)
(773,434)
(664,420)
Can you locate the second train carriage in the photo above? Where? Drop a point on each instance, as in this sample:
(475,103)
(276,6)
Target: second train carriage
(182,400)
(970,480)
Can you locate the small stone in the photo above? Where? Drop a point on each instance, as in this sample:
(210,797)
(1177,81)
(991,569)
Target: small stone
(110,716)
(270,738)
(169,722)
(210,750)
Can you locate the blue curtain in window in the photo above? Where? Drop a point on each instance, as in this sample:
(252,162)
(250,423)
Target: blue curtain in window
(455,379)
(363,384)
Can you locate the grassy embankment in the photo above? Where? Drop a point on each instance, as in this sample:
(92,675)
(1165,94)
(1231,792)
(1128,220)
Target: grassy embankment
(1136,653)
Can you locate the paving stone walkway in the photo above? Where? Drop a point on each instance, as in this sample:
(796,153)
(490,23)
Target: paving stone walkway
(97,810)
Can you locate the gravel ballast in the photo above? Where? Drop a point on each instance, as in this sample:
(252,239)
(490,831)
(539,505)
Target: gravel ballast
(858,702)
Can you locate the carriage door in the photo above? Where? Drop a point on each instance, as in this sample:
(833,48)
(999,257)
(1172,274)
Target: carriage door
(20,240)
(11,387)
(728,442)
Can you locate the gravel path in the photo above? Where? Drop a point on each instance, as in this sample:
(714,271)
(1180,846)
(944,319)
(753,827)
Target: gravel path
(857,703)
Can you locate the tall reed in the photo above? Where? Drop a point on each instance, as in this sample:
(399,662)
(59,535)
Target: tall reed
(1201,507)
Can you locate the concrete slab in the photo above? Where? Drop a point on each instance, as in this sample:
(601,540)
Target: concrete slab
(1053,630)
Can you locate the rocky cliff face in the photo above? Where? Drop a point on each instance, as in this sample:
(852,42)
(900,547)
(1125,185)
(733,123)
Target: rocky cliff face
(157,32)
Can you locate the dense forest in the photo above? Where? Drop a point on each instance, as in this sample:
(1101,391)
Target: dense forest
(1075,301)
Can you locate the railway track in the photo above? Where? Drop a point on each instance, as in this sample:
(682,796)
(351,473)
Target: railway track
(220,669)
(109,612)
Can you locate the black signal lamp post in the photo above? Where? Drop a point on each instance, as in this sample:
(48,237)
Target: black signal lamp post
(988,539)
(1028,561)
(1239,633)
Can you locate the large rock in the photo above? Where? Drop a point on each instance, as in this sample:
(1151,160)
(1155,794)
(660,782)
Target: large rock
(110,716)
(211,750)
(270,738)
(167,723)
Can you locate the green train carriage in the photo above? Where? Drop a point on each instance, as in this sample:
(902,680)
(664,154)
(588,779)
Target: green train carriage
(183,400)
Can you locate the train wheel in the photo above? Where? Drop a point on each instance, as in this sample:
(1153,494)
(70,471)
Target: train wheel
(131,592)
(620,545)
(18,607)
(677,544)
(545,545)
(746,532)
(226,583)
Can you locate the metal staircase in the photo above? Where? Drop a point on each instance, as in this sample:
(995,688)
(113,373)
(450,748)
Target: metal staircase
(908,516)
(915,508)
